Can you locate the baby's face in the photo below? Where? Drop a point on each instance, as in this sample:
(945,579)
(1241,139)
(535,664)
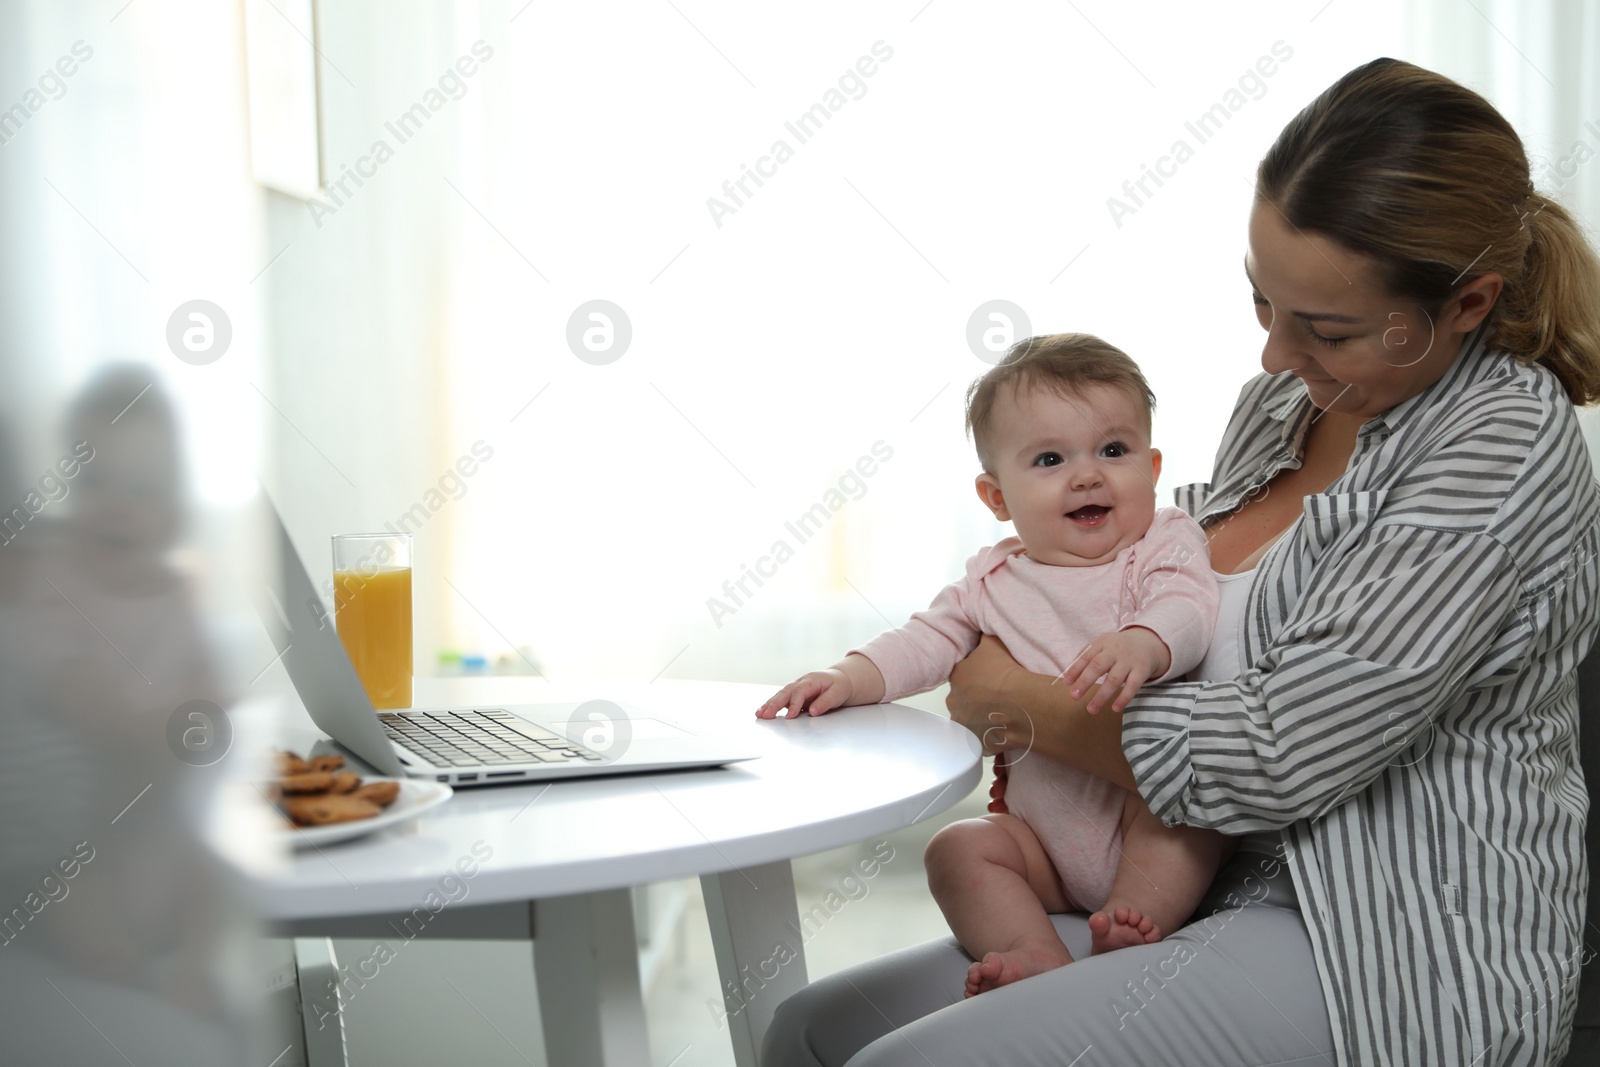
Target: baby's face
(1075,474)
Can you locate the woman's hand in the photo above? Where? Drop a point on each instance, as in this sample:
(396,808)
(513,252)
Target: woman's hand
(976,702)
(1011,709)
(977,699)
(997,788)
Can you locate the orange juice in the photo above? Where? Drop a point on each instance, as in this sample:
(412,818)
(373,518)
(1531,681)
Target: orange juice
(373,607)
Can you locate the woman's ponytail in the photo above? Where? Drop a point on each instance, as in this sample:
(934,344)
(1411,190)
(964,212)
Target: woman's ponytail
(1551,315)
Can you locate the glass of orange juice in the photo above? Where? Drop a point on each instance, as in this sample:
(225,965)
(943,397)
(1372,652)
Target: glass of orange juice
(372,609)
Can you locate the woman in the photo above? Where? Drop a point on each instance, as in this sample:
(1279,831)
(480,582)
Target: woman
(1405,520)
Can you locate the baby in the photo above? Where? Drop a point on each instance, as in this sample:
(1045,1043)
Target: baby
(1095,576)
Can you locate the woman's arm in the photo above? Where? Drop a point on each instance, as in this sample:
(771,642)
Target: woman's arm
(1383,642)
(1013,710)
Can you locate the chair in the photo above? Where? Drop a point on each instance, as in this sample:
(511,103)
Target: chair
(1585,1051)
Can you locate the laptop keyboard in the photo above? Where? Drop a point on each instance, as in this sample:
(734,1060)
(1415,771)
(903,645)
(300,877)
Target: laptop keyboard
(477,738)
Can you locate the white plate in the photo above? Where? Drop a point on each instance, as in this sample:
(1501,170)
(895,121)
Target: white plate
(416,796)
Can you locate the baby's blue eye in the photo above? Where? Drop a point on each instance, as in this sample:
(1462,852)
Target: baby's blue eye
(1047,459)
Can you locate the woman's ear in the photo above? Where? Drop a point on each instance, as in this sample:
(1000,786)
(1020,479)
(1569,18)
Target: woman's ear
(1472,304)
(989,492)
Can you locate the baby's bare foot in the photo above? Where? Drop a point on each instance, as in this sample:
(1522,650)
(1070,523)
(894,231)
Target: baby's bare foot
(1117,928)
(1013,965)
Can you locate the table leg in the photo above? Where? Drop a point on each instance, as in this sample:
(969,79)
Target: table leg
(761,959)
(322,1017)
(586,970)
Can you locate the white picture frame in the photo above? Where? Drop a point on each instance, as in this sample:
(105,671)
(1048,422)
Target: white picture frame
(284,98)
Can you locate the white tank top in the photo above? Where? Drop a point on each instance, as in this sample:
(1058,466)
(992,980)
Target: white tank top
(1225,660)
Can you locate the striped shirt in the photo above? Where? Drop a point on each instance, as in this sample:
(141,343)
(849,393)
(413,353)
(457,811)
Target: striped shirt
(1407,717)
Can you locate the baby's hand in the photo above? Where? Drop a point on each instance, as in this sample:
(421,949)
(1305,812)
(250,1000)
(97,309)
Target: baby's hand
(822,690)
(1128,658)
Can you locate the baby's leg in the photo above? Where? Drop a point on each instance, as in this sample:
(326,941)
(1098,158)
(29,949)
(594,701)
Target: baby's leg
(1161,876)
(995,885)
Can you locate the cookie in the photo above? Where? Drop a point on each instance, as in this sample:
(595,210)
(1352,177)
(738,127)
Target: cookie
(289,763)
(380,793)
(316,792)
(311,782)
(327,810)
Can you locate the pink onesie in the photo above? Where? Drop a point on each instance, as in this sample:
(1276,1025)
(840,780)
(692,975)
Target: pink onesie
(1046,615)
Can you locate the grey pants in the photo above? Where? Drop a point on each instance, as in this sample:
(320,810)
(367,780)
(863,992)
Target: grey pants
(1235,988)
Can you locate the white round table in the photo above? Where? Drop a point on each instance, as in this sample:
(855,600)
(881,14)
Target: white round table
(555,860)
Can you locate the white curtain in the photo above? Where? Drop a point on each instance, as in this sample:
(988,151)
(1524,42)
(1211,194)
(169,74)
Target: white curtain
(1540,65)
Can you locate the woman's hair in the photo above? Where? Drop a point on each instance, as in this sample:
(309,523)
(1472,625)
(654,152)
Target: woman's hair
(1425,177)
(1064,363)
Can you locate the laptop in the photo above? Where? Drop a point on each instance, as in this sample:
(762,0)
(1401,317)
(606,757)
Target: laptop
(462,746)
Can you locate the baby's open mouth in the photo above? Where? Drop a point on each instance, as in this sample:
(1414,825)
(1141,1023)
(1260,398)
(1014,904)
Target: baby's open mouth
(1089,514)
